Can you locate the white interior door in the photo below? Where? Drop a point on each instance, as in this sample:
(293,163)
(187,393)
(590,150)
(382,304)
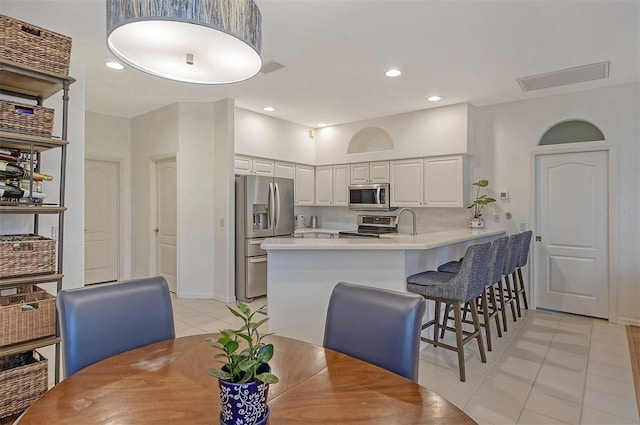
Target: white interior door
(101,221)
(571,239)
(166,221)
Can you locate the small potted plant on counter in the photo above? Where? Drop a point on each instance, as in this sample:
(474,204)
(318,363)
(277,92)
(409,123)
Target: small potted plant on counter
(477,222)
(245,376)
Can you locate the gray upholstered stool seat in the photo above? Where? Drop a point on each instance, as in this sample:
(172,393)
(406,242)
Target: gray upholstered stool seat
(450,267)
(487,302)
(454,290)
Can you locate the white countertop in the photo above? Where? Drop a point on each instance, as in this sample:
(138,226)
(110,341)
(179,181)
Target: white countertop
(304,230)
(396,241)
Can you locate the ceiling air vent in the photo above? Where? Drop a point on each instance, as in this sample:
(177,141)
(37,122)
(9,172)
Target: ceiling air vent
(579,74)
(270,67)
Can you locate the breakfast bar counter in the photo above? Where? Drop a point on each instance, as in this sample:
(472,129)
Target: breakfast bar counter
(301,272)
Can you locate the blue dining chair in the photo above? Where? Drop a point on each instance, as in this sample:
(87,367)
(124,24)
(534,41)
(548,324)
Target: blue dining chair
(376,325)
(103,320)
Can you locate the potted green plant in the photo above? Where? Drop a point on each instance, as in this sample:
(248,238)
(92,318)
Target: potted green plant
(245,375)
(477,222)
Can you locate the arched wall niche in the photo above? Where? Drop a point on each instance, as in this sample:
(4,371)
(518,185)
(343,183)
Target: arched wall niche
(571,131)
(370,139)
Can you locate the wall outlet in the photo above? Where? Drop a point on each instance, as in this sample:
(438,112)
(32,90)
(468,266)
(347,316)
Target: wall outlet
(496,218)
(504,195)
(523,227)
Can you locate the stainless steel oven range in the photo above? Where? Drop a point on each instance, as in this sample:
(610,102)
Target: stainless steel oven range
(372,226)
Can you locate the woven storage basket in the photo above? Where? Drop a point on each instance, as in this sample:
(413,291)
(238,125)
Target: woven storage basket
(30,314)
(21,118)
(22,255)
(33,46)
(23,379)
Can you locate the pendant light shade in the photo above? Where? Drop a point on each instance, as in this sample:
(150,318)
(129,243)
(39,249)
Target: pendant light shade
(195,41)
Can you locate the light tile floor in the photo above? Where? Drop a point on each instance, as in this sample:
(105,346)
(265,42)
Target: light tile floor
(548,368)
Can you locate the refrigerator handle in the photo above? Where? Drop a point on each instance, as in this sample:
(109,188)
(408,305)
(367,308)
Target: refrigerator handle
(277,220)
(272,215)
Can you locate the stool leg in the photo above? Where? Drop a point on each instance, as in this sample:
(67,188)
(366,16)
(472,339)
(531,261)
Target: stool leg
(485,314)
(507,290)
(524,293)
(494,304)
(503,305)
(459,342)
(445,320)
(436,324)
(515,292)
(476,327)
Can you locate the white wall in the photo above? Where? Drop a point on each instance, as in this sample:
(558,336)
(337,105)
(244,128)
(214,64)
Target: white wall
(154,136)
(430,132)
(267,137)
(506,136)
(108,138)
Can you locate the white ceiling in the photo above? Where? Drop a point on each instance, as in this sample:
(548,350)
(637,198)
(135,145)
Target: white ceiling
(336,53)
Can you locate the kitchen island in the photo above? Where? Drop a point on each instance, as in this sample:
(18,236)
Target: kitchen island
(301,272)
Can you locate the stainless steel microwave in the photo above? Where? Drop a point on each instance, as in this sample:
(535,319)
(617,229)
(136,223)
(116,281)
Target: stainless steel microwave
(369,197)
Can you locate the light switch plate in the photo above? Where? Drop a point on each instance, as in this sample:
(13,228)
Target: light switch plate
(504,195)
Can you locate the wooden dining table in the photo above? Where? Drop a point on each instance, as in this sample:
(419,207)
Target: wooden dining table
(167,383)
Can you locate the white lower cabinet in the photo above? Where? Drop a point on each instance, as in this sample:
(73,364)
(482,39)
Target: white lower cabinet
(407,182)
(304,185)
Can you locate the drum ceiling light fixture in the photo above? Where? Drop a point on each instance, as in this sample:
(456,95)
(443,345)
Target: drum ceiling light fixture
(194,41)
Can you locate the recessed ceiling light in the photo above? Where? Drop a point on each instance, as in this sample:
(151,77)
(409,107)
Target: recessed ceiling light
(114,65)
(434,98)
(269,108)
(321,124)
(393,73)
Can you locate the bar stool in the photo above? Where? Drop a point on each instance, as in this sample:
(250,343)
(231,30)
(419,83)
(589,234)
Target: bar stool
(455,290)
(522,261)
(505,291)
(494,273)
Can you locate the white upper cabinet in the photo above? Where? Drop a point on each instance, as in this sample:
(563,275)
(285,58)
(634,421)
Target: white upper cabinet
(438,182)
(359,173)
(248,165)
(242,165)
(263,167)
(341,185)
(370,172)
(445,182)
(379,172)
(304,185)
(285,169)
(407,182)
(324,185)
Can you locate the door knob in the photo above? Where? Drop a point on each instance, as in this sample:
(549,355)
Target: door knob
(156,230)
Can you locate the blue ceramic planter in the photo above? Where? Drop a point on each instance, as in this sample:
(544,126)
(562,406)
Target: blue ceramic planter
(244,404)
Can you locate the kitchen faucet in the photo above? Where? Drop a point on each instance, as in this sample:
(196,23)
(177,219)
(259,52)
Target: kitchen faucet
(413,214)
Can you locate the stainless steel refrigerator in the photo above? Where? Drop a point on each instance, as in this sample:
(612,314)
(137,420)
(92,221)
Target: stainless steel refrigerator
(264,209)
